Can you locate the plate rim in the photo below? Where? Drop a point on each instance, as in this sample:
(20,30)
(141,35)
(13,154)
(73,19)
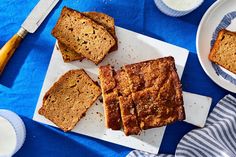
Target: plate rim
(199,30)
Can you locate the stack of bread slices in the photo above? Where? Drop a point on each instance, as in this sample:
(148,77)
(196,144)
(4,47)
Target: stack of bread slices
(88,35)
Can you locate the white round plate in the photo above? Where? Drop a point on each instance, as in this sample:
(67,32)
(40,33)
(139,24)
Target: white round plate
(215,19)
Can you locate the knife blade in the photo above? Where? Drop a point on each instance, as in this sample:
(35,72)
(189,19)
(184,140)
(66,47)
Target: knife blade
(38,14)
(30,25)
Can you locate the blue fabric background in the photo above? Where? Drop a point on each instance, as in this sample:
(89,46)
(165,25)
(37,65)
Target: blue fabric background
(21,82)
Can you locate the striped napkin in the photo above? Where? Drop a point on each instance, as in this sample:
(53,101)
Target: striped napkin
(217,138)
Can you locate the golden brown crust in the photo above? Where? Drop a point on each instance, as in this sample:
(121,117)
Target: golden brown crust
(149,93)
(83,35)
(156,92)
(106,78)
(122,83)
(128,115)
(67,101)
(110,98)
(127,108)
(155,111)
(112,111)
(148,73)
(223,51)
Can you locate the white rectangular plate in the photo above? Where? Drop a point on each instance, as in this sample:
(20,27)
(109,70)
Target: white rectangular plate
(133,47)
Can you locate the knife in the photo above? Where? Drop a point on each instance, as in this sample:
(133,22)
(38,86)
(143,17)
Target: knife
(30,25)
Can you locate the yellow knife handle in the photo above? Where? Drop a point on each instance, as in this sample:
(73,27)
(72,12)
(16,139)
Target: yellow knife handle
(9,48)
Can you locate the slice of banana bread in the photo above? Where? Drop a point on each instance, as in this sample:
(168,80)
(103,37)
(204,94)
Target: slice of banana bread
(100,18)
(223,51)
(107,80)
(129,116)
(67,101)
(106,21)
(127,107)
(110,98)
(83,35)
(112,110)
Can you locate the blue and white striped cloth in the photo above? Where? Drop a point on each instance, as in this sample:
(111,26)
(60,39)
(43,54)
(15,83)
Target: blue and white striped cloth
(216,139)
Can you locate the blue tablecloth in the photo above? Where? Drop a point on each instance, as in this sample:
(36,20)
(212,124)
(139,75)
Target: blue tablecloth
(21,82)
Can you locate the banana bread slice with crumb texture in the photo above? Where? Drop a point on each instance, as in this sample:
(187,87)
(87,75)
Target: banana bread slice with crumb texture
(83,35)
(100,18)
(106,21)
(67,101)
(223,51)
